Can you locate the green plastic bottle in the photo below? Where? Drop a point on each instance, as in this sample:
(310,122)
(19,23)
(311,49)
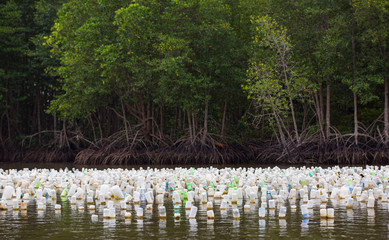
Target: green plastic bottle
(303,182)
(37,184)
(176,209)
(64,192)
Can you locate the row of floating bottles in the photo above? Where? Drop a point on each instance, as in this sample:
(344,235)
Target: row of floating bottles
(270,186)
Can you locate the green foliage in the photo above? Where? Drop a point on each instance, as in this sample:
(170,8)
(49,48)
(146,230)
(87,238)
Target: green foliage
(273,79)
(150,63)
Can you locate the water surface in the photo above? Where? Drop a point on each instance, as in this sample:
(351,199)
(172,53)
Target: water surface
(70,223)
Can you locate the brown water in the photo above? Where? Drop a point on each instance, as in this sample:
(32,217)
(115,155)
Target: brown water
(70,223)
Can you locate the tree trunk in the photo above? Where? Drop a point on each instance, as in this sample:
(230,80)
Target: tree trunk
(294,120)
(7,115)
(65,134)
(183,119)
(161,121)
(38,115)
(99,124)
(179,119)
(354,92)
(319,117)
(125,122)
(282,135)
(193,125)
(148,120)
(93,128)
(356,117)
(205,132)
(321,103)
(291,105)
(154,115)
(190,126)
(224,119)
(328,111)
(55,125)
(386,110)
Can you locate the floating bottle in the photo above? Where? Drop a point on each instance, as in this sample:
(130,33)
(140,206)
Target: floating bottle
(211,192)
(272,204)
(176,197)
(223,205)
(262,212)
(136,196)
(123,205)
(210,214)
(64,193)
(209,206)
(323,213)
(330,213)
(384,197)
(40,206)
(292,194)
(117,192)
(127,215)
(370,202)
(23,205)
(94,217)
(162,212)
(193,212)
(160,199)
(350,202)
(110,204)
(282,213)
(203,198)
(234,197)
(139,213)
(304,211)
(3,205)
(310,204)
(149,197)
(89,200)
(142,194)
(188,205)
(247,207)
(15,204)
(177,214)
(102,199)
(106,213)
(235,213)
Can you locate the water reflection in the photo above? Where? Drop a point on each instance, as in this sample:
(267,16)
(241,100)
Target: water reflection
(223,213)
(304,227)
(192,228)
(109,223)
(359,221)
(262,224)
(282,225)
(139,225)
(350,214)
(330,223)
(370,216)
(162,224)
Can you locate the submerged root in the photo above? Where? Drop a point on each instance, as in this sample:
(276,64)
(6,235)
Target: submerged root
(210,150)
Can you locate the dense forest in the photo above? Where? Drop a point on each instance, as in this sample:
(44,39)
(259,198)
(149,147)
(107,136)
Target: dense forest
(197,81)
